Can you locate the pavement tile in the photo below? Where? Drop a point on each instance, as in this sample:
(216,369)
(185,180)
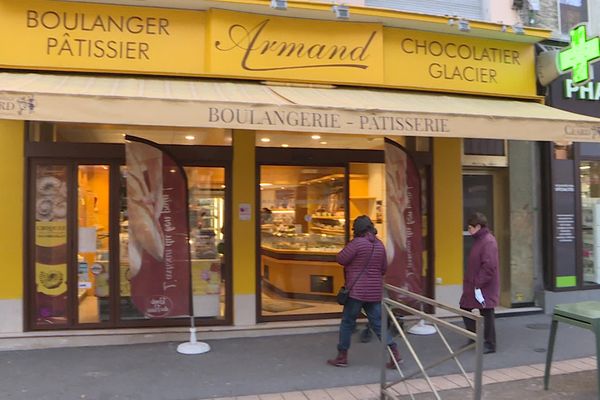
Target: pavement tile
(360,391)
(512,373)
(401,389)
(540,367)
(293,396)
(497,375)
(458,379)
(556,370)
(565,366)
(419,385)
(580,365)
(340,394)
(249,397)
(591,361)
(317,394)
(272,396)
(441,383)
(529,371)
(374,387)
(486,379)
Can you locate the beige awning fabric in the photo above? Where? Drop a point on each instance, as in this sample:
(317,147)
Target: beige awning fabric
(244,105)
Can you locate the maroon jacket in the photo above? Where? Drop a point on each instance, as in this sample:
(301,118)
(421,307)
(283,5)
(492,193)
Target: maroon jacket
(482,272)
(354,257)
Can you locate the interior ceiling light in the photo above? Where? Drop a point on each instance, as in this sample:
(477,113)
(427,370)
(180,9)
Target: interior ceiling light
(279,4)
(265,140)
(315,137)
(190,137)
(263,184)
(285,145)
(323,142)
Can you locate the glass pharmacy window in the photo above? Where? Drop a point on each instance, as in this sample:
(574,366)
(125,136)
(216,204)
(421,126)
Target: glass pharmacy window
(589,173)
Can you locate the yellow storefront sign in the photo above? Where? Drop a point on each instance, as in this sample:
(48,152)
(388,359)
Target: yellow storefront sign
(251,45)
(79,36)
(415,59)
(226,44)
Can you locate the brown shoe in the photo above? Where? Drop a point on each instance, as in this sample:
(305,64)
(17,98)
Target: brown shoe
(341,360)
(396,356)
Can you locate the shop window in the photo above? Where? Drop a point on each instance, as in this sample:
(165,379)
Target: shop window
(50,201)
(306,215)
(206,200)
(589,174)
(571,13)
(303,226)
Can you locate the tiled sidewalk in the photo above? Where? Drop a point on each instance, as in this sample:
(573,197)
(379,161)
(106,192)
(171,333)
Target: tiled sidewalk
(455,381)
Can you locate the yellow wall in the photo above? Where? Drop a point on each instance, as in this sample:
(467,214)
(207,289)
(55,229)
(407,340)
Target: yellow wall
(11,209)
(447,188)
(244,232)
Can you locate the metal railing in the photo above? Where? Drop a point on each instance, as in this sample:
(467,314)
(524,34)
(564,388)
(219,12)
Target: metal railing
(388,307)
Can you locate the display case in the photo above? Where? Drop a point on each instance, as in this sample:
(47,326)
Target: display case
(303,243)
(206,221)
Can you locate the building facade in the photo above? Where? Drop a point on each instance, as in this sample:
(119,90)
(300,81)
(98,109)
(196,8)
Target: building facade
(279,118)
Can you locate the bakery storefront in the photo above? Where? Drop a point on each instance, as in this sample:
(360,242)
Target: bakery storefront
(279,124)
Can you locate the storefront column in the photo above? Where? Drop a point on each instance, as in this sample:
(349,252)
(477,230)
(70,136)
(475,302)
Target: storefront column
(447,211)
(524,222)
(244,228)
(11,234)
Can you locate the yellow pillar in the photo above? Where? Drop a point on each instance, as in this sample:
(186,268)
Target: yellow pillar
(447,189)
(243,236)
(11,210)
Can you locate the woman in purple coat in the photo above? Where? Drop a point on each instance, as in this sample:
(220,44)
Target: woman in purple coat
(481,281)
(365,252)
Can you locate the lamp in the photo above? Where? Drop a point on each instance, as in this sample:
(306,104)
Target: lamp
(463,25)
(341,11)
(518,28)
(279,4)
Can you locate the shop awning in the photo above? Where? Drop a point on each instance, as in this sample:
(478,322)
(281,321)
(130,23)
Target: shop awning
(244,105)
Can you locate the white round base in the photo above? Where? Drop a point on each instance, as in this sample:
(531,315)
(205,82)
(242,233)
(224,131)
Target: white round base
(422,329)
(193,348)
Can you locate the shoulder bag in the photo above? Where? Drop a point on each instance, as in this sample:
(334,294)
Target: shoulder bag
(344,293)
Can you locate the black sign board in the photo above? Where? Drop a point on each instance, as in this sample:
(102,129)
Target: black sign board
(584,99)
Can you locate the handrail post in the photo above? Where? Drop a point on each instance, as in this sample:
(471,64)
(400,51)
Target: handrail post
(384,335)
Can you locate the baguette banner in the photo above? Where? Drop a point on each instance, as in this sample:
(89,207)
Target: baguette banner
(403,227)
(158,247)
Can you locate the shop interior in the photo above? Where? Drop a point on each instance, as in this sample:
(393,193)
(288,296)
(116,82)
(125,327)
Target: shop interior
(206,190)
(306,217)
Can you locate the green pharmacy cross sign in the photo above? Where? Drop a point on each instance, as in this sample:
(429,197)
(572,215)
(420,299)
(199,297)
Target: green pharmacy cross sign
(579,55)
